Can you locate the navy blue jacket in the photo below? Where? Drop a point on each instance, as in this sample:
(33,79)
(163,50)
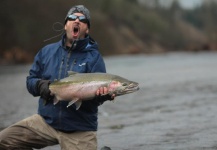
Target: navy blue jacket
(52,62)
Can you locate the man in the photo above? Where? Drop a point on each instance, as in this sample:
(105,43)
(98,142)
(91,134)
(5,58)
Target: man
(56,124)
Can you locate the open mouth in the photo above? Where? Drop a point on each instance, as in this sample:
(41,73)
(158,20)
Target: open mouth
(76,31)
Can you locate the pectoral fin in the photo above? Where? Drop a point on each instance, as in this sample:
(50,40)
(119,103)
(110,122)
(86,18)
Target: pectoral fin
(55,100)
(76,102)
(44,102)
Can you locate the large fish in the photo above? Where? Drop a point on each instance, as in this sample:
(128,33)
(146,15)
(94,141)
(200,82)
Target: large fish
(78,87)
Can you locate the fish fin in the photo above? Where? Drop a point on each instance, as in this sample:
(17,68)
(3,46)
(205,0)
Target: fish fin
(44,102)
(78,104)
(55,100)
(72,102)
(71,73)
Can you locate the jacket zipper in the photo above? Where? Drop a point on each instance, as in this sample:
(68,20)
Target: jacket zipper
(61,68)
(65,73)
(73,64)
(67,62)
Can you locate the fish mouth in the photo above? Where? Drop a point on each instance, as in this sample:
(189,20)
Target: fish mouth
(129,89)
(132,88)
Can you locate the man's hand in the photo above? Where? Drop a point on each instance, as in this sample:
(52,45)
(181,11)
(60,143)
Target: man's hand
(103,92)
(43,88)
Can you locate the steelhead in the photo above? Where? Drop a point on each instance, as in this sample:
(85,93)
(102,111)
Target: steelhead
(78,87)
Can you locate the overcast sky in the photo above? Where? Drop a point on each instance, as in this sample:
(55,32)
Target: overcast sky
(189,3)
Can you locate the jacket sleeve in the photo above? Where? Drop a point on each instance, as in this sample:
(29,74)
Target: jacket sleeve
(34,75)
(99,65)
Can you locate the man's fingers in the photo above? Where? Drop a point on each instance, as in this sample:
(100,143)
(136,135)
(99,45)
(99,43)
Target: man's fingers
(105,90)
(101,90)
(97,92)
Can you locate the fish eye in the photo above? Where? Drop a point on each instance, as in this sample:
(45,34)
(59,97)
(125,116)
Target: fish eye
(124,84)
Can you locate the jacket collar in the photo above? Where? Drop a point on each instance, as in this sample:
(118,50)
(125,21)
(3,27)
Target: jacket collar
(77,45)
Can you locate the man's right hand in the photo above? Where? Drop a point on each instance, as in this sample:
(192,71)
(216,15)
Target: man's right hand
(43,88)
(103,91)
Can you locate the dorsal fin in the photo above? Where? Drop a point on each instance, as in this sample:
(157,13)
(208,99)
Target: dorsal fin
(71,73)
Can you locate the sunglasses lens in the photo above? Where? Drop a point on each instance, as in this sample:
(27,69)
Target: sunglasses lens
(81,18)
(72,17)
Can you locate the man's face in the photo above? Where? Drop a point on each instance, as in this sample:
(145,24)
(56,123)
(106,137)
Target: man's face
(75,29)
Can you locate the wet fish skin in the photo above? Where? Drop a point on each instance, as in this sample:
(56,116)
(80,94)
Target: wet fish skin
(78,87)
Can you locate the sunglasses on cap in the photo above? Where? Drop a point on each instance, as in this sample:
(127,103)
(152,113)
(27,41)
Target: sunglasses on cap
(80,18)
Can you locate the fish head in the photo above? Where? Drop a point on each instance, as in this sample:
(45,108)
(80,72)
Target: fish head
(123,86)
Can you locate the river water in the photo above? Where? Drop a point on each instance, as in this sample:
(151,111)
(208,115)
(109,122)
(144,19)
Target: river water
(175,108)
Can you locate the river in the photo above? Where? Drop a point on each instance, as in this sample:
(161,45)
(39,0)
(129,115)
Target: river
(175,108)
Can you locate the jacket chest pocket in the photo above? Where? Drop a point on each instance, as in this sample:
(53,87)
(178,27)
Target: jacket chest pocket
(79,65)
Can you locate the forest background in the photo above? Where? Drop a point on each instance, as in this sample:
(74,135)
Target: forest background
(119,26)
